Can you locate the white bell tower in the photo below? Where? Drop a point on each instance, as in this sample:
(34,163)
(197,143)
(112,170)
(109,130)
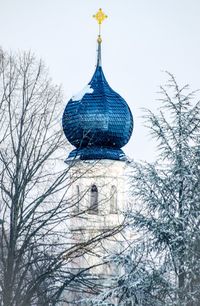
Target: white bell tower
(98,122)
(99,194)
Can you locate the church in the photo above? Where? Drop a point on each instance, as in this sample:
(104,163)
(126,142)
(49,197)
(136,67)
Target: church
(98,123)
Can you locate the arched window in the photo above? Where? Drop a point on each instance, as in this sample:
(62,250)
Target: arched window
(93,200)
(113,200)
(77,199)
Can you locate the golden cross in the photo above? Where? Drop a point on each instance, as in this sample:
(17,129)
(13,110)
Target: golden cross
(100,16)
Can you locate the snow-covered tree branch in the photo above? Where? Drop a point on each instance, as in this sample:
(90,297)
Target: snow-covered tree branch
(162,266)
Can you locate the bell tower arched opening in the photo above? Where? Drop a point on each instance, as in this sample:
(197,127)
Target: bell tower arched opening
(93,209)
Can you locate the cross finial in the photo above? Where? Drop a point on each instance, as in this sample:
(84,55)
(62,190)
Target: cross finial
(100,16)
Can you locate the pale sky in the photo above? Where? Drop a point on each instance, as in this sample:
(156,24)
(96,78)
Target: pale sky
(141,39)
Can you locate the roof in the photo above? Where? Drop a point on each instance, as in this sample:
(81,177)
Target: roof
(97,121)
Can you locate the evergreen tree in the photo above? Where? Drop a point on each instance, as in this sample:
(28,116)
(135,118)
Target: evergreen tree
(163,265)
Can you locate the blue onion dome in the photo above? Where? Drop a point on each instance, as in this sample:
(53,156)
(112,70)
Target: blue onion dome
(97,121)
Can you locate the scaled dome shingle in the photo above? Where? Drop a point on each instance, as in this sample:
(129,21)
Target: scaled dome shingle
(98,121)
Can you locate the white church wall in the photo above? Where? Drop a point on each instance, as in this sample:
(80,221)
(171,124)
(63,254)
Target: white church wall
(104,174)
